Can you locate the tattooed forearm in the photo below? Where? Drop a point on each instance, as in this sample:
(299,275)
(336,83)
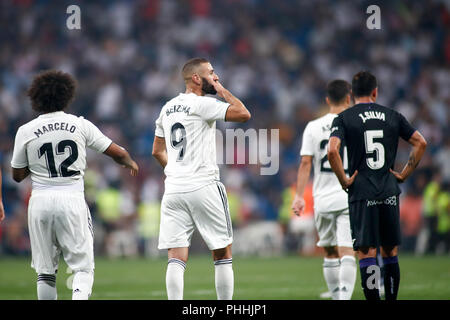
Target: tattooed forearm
(412,161)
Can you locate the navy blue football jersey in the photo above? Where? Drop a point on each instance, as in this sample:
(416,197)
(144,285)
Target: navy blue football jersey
(371,133)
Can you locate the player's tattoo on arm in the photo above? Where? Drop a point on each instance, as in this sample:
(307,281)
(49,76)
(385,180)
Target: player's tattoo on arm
(412,162)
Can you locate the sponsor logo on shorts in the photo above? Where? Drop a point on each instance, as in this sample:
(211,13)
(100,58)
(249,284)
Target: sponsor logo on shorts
(391,201)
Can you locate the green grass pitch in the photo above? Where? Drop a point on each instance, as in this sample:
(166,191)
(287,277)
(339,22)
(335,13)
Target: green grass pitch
(279,278)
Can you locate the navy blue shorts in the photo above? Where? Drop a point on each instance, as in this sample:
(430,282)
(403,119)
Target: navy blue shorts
(375,222)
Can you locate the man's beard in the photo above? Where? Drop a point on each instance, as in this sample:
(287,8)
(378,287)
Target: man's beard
(208,88)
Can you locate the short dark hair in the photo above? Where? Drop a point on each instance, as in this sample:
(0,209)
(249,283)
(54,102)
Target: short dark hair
(51,91)
(363,83)
(190,66)
(337,90)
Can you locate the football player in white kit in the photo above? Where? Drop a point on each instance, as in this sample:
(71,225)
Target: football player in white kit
(52,150)
(194,197)
(331,211)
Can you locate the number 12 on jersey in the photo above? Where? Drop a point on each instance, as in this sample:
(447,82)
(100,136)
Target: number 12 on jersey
(47,150)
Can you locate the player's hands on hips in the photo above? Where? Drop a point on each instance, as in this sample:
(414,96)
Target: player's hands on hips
(298,205)
(2,212)
(398,176)
(349,181)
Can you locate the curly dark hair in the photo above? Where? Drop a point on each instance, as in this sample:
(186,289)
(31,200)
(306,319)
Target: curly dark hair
(51,91)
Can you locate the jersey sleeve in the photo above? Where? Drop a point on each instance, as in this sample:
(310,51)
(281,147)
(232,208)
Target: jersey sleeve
(19,159)
(307,142)
(337,128)
(95,139)
(210,109)
(405,129)
(159,130)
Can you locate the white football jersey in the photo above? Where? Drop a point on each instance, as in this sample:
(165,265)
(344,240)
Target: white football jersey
(327,191)
(188,125)
(53,147)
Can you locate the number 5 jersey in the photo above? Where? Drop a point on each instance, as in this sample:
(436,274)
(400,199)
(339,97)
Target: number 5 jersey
(371,133)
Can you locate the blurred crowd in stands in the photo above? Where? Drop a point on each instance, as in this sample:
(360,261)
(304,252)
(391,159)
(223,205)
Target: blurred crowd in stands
(276,56)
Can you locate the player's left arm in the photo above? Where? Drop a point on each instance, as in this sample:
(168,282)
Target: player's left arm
(334,145)
(159,151)
(20,173)
(419,145)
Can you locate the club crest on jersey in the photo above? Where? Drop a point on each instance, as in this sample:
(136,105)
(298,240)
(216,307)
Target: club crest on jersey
(177,108)
(372,115)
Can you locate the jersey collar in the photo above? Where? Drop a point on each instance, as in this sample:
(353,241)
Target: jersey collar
(51,114)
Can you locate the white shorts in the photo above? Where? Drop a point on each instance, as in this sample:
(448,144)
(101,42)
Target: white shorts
(205,209)
(60,222)
(333,229)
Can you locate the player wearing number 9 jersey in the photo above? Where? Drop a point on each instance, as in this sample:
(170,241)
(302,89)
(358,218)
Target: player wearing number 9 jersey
(371,133)
(185,146)
(52,150)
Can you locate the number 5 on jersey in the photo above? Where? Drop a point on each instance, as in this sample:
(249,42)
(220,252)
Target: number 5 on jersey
(377,161)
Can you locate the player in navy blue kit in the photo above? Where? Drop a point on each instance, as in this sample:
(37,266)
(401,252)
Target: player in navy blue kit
(371,133)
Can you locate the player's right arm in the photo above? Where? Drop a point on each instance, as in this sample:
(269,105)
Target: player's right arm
(419,144)
(19,161)
(304,170)
(122,157)
(334,157)
(236,112)
(159,150)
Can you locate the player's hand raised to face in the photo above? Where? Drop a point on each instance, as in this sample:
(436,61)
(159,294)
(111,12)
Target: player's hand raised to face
(298,205)
(218,86)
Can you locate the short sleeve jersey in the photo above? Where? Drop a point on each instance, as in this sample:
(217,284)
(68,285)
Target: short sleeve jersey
(327,191)
(371,133)
(188,125)
(53,147)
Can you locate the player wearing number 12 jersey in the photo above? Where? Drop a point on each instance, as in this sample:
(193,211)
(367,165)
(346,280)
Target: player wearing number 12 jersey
(185,146)
(52,150)
(371,133)
(330,201)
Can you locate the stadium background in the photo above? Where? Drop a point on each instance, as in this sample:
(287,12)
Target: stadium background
(277,56)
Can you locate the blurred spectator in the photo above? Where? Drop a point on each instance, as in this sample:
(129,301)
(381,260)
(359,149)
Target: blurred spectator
(410,219)
(300,231)
(428,237)
(443,226)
